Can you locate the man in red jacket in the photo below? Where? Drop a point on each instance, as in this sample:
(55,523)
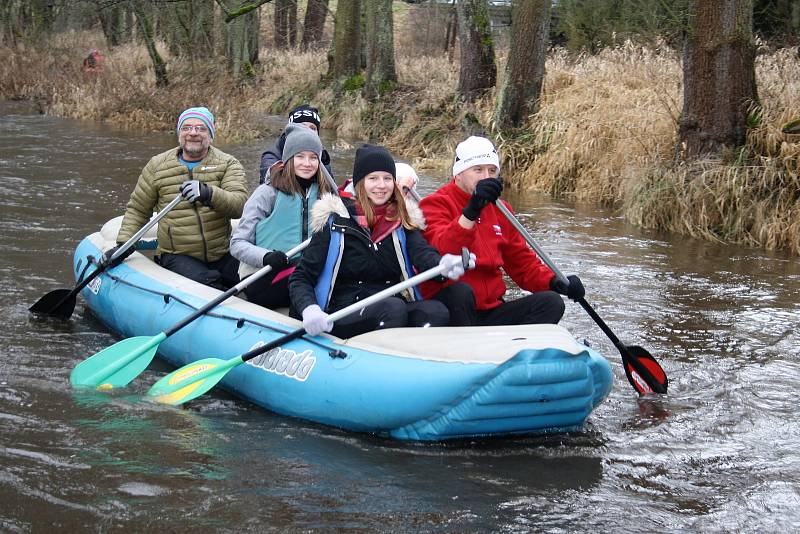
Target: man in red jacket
(462,214)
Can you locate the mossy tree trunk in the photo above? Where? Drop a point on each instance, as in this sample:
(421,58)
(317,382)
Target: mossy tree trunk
(478,72)
(719,86)
(146,31)
(314,22)
(345,55)
(381,75)
(519,93)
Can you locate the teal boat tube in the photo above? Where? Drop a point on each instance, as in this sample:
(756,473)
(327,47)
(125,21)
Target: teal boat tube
(407,383)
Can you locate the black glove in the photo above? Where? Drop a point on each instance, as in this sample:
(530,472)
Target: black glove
(195,190)
(277,260)
(326,158)
(574,290)
(106,260)
(487,191)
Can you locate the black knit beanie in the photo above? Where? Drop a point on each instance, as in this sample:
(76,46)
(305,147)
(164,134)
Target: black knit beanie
(371,158)
(305,113)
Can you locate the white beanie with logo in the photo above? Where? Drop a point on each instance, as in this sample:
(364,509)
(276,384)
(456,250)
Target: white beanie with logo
(475,151)
(404,169)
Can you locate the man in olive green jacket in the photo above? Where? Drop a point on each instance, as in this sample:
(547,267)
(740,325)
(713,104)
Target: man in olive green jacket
(193,238)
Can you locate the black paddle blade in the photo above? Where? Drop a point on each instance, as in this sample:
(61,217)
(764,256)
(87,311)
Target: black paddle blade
(655,381)
(58,303)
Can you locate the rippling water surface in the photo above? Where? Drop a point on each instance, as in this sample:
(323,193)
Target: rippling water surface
(717,454)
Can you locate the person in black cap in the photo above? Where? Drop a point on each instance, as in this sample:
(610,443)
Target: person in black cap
(303,115)
(361,246)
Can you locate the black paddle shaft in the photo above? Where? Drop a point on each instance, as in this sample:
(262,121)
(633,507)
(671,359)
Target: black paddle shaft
(249,355)
(627,358)
(653,382)
(86,281)
(201,311)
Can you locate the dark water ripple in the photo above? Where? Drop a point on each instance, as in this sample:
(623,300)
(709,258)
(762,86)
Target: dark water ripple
(717,454)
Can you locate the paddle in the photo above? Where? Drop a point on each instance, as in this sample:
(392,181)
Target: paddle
(642,370)
(194,379)
(61,302)
(117,365)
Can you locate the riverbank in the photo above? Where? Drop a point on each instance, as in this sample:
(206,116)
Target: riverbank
(605,134)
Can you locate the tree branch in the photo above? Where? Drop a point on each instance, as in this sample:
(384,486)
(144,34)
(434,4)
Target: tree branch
(244,9)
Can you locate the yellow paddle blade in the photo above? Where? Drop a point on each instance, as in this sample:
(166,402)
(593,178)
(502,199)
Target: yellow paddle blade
(191,381)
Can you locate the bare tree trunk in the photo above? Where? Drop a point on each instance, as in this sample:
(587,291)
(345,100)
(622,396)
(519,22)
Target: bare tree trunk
(26,19)
(237,46)
(314,22)
(285,23)
(253,29)
(345,55)
(112,22)
(719,77)
(522,84)
(452,28)
(478,71)
(201,25)
(281,22)
(381,74)
(292,23)
(146,29)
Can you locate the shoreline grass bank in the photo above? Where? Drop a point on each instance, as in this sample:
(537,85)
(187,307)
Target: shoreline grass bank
(605,134)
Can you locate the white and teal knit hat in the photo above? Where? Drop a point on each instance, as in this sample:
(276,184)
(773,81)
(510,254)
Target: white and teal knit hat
(197,113)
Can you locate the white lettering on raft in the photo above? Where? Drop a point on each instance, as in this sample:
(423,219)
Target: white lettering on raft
(94,285)
(285,362)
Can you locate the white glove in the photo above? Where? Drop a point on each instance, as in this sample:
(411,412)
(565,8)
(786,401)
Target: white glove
(454,267)
(316,321)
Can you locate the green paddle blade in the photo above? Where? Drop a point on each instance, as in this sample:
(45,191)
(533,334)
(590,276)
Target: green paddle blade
(117,365)
(191,381)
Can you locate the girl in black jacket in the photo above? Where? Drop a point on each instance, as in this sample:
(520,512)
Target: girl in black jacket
(362,246)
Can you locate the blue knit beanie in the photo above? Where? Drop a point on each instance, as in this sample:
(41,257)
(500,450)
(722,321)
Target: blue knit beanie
(197,113)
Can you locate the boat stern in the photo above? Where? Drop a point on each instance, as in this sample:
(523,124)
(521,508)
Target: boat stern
(536,391)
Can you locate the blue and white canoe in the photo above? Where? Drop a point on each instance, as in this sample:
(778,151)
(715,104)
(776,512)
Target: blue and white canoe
(406,383)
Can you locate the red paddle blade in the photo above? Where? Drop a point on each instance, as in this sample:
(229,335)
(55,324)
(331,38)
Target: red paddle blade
(654,381)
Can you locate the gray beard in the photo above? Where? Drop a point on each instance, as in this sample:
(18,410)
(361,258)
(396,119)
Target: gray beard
(195,153)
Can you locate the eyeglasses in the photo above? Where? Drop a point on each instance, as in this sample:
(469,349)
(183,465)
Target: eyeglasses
(190,127)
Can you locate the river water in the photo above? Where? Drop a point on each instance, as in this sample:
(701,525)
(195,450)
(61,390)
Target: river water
(718,453)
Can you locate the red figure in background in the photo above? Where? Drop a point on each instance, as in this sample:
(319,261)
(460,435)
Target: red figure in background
(93,63)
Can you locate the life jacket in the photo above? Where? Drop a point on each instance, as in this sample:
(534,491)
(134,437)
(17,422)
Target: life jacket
(282,229)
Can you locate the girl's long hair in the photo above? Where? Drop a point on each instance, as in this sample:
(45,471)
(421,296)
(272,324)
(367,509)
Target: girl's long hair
(398,199)
(286,180)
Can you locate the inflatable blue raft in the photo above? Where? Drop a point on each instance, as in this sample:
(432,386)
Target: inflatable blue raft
(409,383)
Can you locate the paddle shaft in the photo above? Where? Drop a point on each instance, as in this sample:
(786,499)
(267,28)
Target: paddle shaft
(349,310)
(235,290)
(624,352)
(128,244)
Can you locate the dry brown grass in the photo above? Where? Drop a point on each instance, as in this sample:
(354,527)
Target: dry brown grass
(605,132)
